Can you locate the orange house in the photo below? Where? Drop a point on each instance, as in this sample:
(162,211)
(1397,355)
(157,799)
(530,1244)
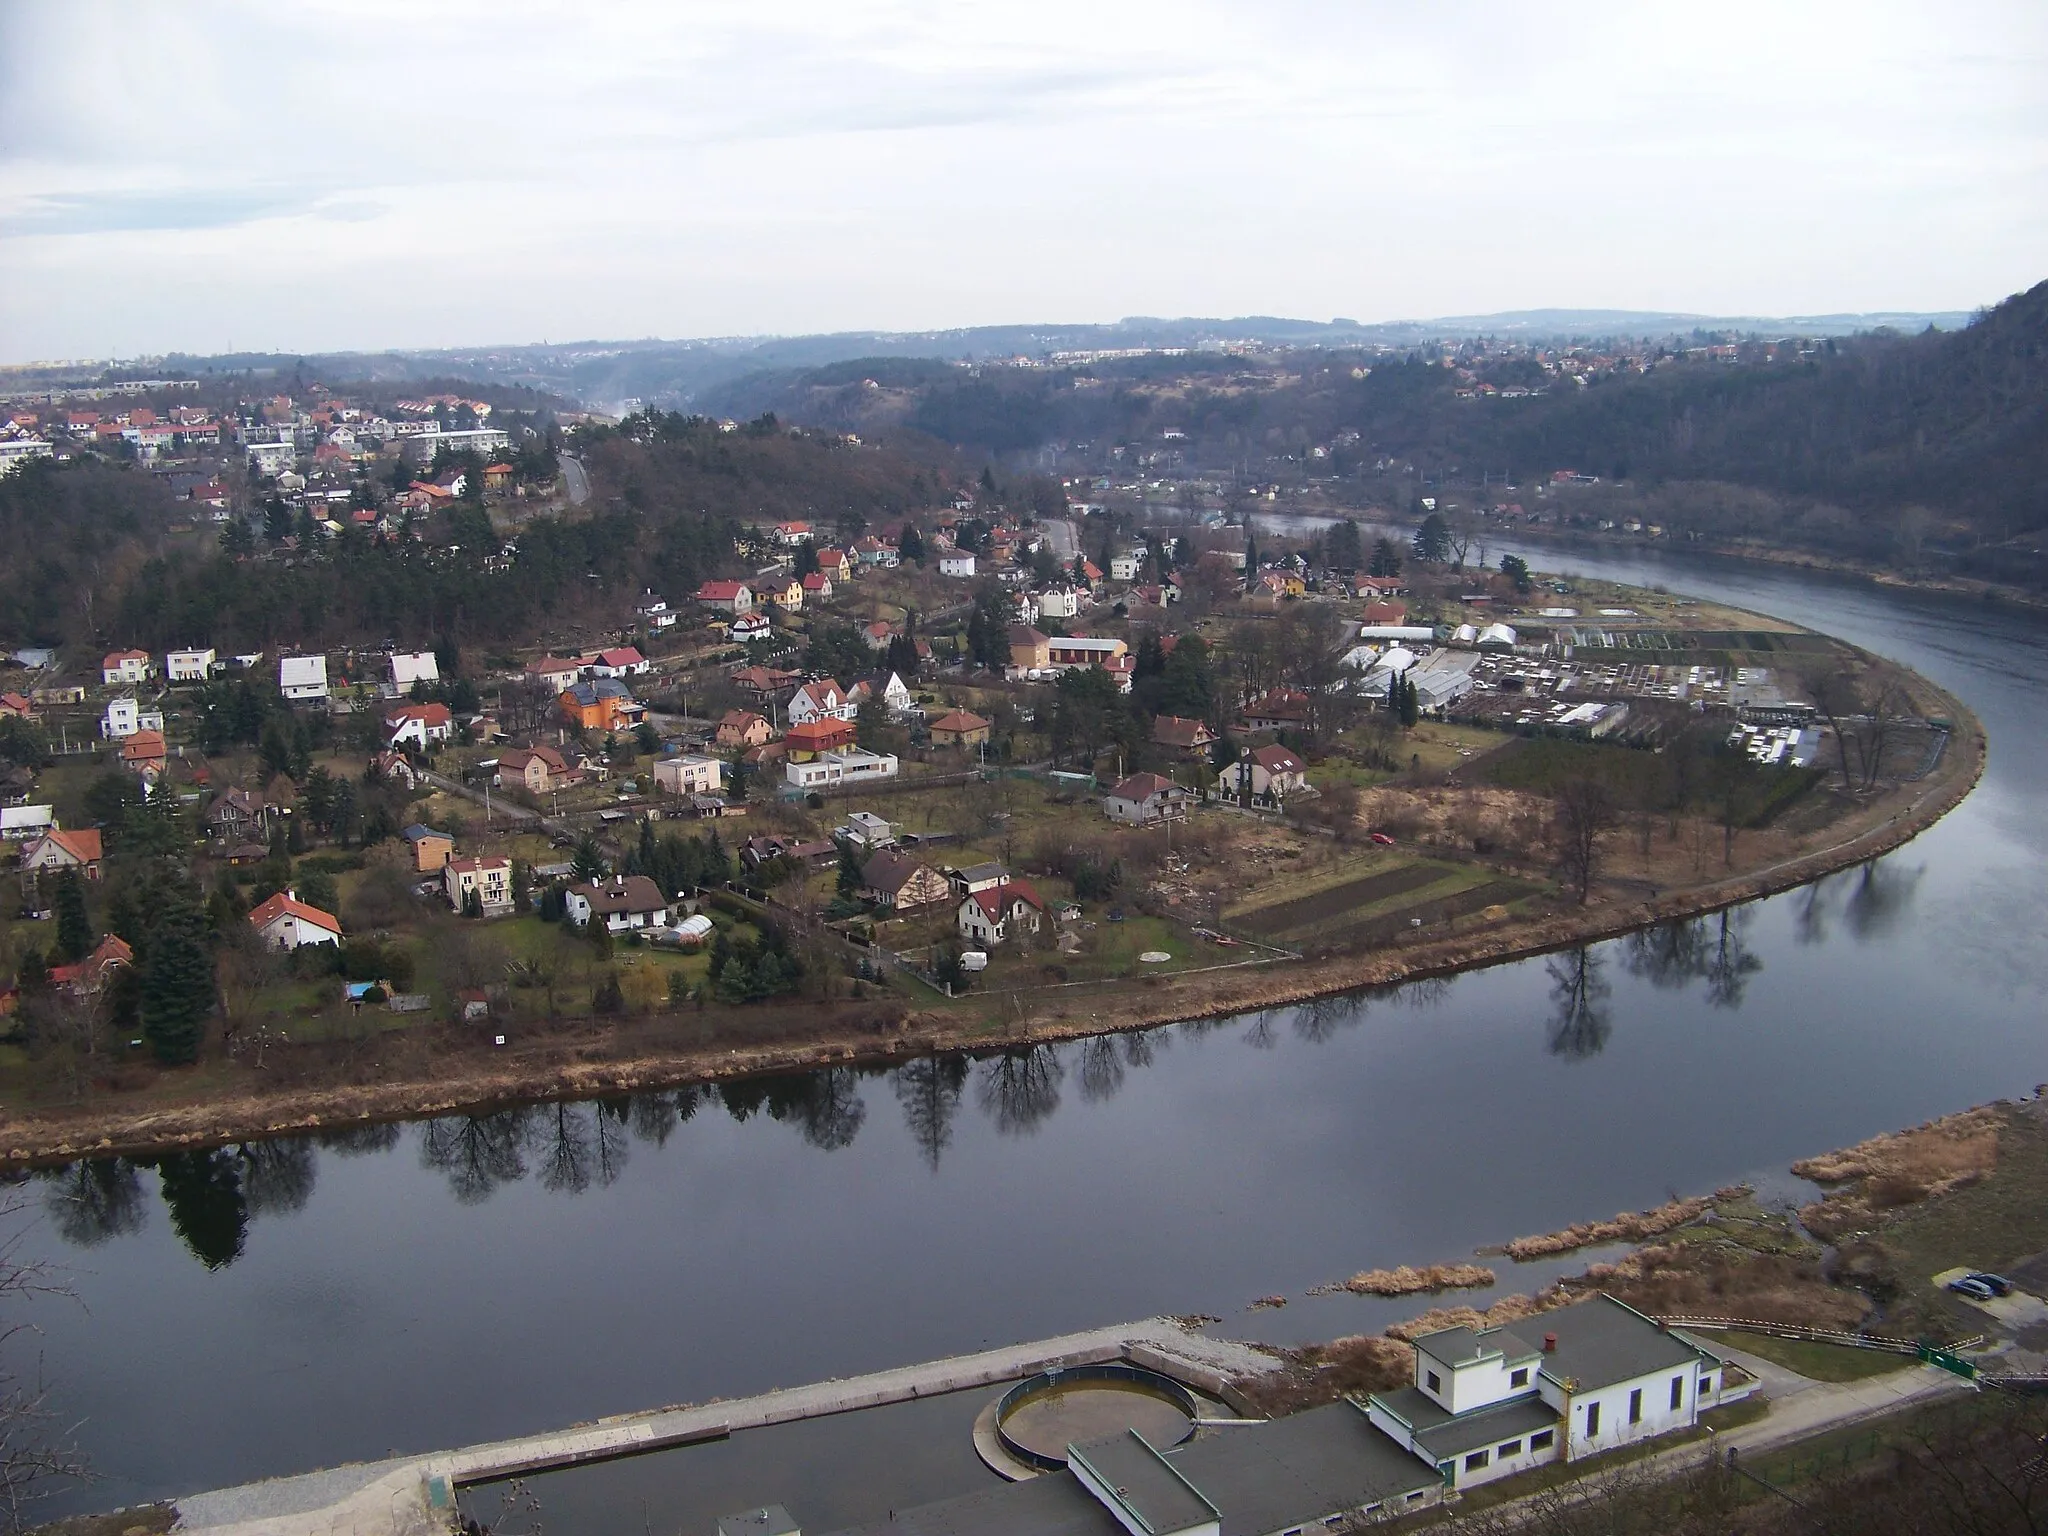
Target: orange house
(600,706)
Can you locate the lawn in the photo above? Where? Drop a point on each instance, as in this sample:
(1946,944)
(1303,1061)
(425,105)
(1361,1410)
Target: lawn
(1820,1362)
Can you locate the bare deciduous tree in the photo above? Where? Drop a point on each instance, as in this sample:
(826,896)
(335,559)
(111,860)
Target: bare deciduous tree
(1585,813)
(37,1450)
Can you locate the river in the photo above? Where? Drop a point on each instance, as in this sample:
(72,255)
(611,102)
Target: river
(300,1303)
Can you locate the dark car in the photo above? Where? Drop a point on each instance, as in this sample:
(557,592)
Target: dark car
(1972,1287)
(2000,1286)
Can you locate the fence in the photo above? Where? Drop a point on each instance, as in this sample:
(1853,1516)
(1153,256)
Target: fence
(1890,1345)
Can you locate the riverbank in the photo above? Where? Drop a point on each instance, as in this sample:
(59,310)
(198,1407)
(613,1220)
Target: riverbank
(878,1037)
(1791,559)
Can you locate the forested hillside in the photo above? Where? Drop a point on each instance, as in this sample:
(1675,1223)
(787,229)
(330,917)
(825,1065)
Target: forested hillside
(103,555)
(1880,446)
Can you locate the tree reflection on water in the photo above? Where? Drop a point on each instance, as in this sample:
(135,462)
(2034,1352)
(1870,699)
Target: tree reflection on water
(1579,1021)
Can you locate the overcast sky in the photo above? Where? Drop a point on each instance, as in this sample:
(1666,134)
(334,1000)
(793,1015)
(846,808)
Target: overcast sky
(369,174)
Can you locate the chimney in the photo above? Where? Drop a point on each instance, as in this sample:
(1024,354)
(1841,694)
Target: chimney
(1550,1343)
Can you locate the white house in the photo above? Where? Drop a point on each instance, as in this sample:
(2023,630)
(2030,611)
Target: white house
(1125,567)
(193,666)
(896,697)
(868,832)
(1269,773)
(956,564)
(1059,603)
(419,725)
(409,667)
(727,596)
(829,770)
(125,668)
(691,775)
(1487,1403)
(285,922)
(621,903)
(823,700)
(18,823)
(749,627)
(1144,798)
(491,879)
(124,718)
(302,678)
(656,614)
(991,915)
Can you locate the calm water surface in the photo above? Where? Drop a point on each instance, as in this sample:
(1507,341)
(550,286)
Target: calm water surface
(296,1304)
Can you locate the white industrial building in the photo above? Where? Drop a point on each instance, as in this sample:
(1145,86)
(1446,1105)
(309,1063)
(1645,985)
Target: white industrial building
(1487,1403)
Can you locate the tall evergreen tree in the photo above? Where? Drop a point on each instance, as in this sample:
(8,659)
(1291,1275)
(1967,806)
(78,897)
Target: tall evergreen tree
(74,928)
(177,986)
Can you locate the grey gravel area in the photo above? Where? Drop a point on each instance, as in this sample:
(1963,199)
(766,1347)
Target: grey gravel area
(275,1496)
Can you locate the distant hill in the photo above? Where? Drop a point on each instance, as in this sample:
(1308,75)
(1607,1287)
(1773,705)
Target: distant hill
(680,374)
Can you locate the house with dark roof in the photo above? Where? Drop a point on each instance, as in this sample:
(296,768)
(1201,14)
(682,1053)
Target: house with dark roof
(621,903)
(1145,798)
(1190,738)
(894,879)
(1489,1402)
(1267,774)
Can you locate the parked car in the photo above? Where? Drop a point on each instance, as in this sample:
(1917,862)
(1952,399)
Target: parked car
(2000,1286)
(1972,1287)
(1383,840)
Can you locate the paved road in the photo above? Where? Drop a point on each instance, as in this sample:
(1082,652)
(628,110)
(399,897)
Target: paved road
(574,478)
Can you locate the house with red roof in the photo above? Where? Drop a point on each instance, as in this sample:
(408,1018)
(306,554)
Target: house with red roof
(727,596)
(90,975)
(822,700)
(419,725)
(285,922)
(54,852)
(991,915)
(621,661)
(144,753)
(817,586)
(125,668)
(13,705)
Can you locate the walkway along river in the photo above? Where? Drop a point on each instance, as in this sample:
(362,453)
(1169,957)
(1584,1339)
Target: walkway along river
(298,1303)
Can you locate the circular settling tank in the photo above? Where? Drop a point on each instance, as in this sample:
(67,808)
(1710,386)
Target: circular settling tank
(1038,1419)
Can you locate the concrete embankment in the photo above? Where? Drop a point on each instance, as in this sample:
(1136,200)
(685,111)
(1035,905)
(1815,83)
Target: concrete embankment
(415,1495)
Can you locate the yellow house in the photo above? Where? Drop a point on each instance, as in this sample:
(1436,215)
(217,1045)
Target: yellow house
(789,597)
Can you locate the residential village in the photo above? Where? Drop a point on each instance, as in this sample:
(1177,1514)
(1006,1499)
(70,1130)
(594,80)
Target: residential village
(928,757)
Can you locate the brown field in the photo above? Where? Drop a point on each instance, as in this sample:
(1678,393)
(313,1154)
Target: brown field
(1900,1168)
